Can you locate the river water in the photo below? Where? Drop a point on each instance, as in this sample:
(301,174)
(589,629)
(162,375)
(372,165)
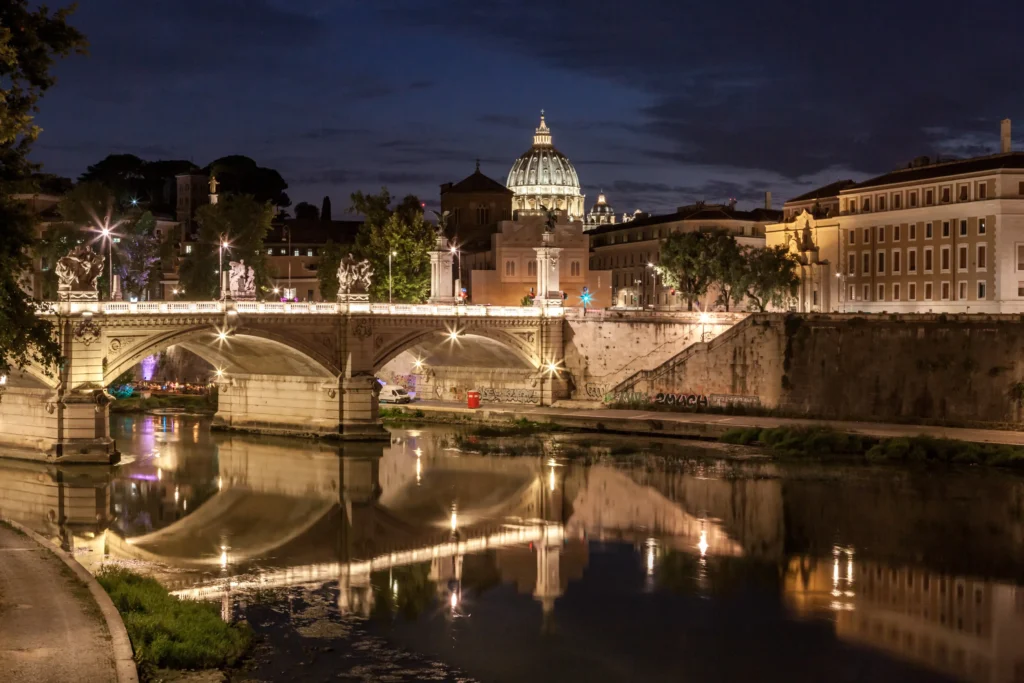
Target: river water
(583,559)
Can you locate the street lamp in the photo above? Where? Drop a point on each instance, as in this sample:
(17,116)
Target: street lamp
(458,272)
(110,257)
(220,269)
(391,281)
(655,271)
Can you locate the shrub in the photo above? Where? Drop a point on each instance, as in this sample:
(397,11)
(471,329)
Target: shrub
(170,633)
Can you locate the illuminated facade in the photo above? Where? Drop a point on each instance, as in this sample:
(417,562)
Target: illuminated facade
(942,237)
(543,178)
(601,213)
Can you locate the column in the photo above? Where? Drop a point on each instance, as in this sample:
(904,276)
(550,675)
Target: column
(358,386)
(548,288)
(441,281)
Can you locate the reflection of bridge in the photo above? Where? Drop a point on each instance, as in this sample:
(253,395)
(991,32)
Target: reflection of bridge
(289,518)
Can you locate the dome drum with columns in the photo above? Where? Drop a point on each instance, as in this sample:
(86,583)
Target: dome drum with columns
(543,178)
(601,213)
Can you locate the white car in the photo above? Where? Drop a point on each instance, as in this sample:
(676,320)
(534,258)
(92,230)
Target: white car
(392,393)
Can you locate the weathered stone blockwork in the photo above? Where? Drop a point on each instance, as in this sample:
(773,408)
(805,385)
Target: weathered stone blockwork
(958,368)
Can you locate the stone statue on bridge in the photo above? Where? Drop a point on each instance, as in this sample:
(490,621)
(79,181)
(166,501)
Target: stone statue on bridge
(242,281)
(77,272)
(354,278)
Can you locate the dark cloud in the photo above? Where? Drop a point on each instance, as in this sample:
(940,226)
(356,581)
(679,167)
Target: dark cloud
(794,87)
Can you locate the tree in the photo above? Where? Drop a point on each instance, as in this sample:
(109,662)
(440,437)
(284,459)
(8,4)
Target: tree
(241,175)
(30,40)
(729,266)
(325,210)
(401,231)
(305,211)
(327,269)
(122,174)
(688,263)
(244,222)
(137,256)
(771,276)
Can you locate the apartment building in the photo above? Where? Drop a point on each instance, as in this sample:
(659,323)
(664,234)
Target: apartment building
(630,249)
(933,237)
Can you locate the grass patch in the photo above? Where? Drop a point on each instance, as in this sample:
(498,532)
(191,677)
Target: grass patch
(520,427)
(206,404)
(398,414)
(823,442)
(170,633)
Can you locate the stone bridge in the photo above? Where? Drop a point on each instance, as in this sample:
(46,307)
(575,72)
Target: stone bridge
(309,368)
(301,368)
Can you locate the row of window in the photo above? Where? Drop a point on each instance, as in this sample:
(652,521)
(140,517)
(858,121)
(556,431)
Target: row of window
(946,228)
(531,268)
(964,192)
(896,291)
(895,262)
(274,251)
(623,260)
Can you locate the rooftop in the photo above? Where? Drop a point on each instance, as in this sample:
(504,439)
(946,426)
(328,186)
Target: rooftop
(830,190)
(943,169)
(313,231)
(695,212)
(476,182)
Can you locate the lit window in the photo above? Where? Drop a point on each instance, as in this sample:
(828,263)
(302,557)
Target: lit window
(188,248)
(309,252)
(981,226)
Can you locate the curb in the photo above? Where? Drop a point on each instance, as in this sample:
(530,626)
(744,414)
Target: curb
(124,657)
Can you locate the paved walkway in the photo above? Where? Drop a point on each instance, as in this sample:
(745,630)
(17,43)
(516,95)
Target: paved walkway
(51,630)
(705,424)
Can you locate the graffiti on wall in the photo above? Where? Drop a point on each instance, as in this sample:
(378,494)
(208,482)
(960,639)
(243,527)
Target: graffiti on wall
(529,396)
(682,400)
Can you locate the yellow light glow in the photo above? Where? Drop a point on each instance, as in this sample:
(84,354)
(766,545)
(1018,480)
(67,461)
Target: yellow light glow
(223,557)
(551,479)
(220,483)
(222,336)
(455,520)
(454,600)
(703,545)
(704,318)
(220,373)
(650,559)
(175,494)
(453,335)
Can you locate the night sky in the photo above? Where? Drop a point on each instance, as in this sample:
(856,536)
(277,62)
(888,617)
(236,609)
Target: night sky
(660,103)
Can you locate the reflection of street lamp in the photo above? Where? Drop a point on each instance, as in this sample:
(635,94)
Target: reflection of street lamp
(391,255)
(704,318)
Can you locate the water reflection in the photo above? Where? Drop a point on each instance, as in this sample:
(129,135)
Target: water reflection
(923,568)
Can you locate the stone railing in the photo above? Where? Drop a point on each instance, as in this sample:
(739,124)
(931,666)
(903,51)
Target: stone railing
(304,308)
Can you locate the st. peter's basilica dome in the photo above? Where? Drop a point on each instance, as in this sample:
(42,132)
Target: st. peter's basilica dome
(544,177)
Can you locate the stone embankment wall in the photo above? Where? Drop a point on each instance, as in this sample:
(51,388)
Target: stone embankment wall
(943,367)
(604,348)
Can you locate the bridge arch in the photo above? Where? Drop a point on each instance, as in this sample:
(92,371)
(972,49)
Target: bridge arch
(521,350)
(247,350)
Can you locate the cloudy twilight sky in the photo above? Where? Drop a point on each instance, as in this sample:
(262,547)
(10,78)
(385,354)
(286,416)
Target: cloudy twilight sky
(658,102)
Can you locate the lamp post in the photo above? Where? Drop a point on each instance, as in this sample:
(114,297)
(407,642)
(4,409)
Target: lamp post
(458,272)
(110,257)
(839,294)
(391,281)
(655,286)
(220,268)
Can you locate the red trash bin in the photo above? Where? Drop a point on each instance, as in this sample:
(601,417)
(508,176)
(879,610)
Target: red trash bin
(472,399)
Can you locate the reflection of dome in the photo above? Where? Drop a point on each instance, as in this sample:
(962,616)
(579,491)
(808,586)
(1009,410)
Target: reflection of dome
(601,213)
(544,177)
